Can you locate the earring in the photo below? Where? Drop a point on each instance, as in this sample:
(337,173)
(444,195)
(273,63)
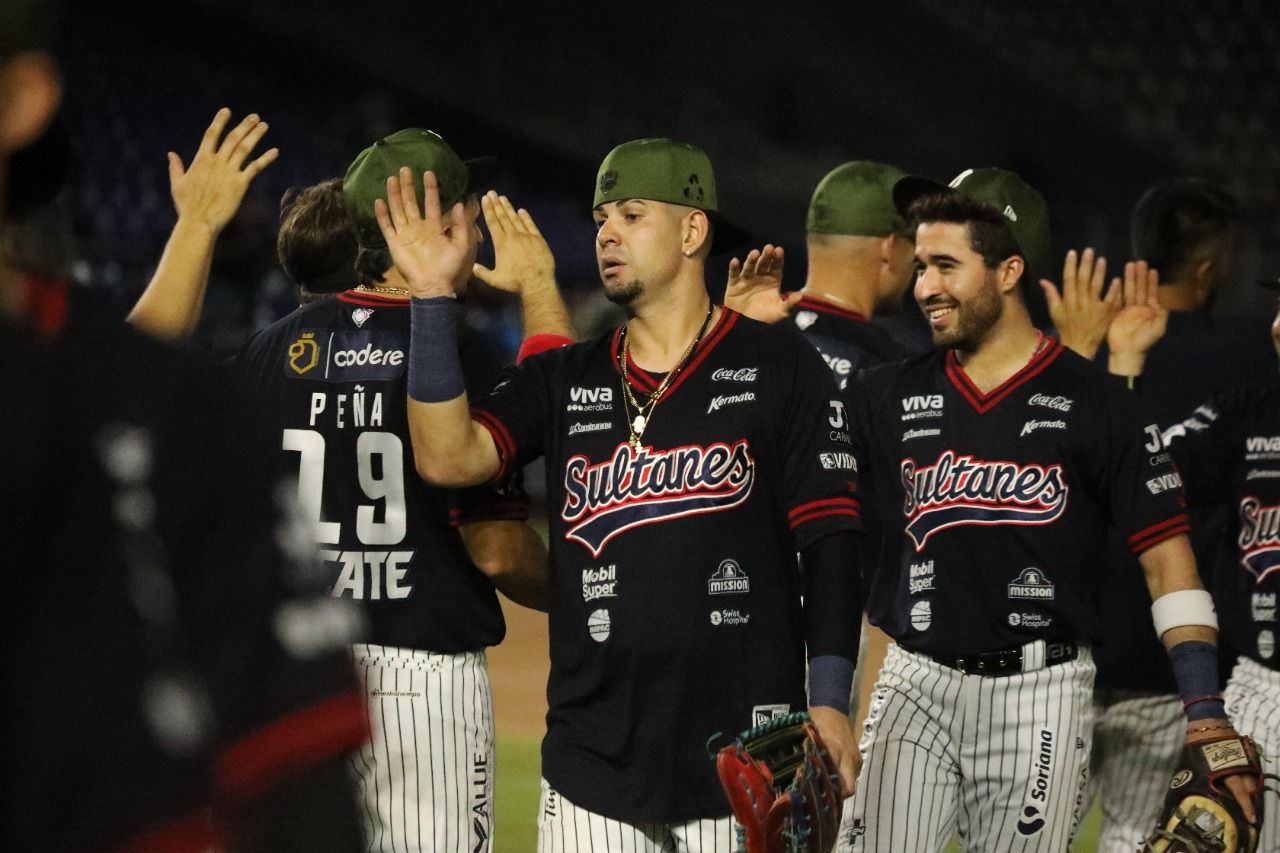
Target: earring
(688,254)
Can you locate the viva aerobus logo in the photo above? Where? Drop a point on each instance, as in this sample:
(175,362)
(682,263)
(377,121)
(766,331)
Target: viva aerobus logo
(646,486)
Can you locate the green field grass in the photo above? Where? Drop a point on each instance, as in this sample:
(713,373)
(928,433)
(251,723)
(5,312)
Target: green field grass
(516,829)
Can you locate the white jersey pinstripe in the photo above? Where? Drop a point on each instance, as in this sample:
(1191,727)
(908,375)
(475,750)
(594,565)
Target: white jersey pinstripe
(566,828)
(1003,760)
(1136,743)
(426,776)
(1253,702)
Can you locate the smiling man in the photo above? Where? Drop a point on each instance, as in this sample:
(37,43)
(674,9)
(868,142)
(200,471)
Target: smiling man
(690,454)
(1004,457)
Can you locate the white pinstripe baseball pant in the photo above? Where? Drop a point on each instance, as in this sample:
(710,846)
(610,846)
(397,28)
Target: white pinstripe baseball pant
(1253,703)
(1137,739)
(426,776)
(1002,760)
(566,828)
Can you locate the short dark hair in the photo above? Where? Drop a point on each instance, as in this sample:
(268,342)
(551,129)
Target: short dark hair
(372,265)
(316,243)
(1177,220)
(989,236)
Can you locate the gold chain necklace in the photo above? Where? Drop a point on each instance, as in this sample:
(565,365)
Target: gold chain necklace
(644,413)
(373,288)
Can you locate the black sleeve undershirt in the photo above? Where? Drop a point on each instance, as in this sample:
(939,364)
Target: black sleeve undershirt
(833,598)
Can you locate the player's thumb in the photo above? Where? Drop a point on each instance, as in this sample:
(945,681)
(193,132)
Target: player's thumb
(1051,294)
(176,170)
(486,275)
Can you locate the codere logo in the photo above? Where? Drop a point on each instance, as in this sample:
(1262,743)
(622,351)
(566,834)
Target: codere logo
(304,353)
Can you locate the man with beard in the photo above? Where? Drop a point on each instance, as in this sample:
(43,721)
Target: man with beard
(690,454)
(1001,458)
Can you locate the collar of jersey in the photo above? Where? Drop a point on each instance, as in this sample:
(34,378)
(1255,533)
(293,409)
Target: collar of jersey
(813,303)
(984,403)
(372,300)
(643,380)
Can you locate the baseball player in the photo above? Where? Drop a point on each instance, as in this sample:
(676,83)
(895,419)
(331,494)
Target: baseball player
(1006,456)
(422,561)
(177,680)
(859,250)
(860,262)
(1227,455)
(690,454)
(1187,229)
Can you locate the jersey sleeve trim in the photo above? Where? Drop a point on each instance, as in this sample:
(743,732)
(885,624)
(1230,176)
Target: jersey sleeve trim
(1149,537)
(540,344)
(509,511)
(814,510)
(501,439)
(301,739)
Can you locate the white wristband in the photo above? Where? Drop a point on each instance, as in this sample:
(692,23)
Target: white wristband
(1183,607)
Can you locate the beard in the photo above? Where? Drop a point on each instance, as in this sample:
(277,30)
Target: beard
(974,318)
(625,292)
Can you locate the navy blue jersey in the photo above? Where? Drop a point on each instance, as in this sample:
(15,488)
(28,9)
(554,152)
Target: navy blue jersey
(333,373)
(676,610)
(848,341)
(168,641)
(1229,455)
(995,505)
(1198,356)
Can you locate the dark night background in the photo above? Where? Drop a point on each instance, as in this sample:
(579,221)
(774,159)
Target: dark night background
(1090,101)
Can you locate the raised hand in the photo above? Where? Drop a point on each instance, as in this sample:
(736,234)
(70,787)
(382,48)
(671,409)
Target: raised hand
(433,254)
(755,286)
(521,257)
(1081,312)
(209,191)
(1142,321)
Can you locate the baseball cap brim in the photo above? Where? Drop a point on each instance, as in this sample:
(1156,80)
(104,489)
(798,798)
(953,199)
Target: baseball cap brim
(912,187)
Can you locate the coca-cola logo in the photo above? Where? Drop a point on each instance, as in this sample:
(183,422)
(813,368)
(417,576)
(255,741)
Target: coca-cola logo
(1061,404)
(742,374)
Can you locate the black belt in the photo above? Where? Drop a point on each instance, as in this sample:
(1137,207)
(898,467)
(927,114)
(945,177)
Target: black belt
(1006,661)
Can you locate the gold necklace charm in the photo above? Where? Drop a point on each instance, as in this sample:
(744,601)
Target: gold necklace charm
(644,412)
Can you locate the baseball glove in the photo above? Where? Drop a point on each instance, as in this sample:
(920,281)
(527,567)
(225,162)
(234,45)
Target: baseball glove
(783,787)
(1200,814)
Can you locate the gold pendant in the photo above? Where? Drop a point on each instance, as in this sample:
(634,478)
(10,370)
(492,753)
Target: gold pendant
(637,425)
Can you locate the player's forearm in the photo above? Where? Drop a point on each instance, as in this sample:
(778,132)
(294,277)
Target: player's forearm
(833,617)
(513,556)
(450,449)
(543,310)
(1127,364)
(170,305)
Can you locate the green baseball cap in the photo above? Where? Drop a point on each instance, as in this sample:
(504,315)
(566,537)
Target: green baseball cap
(420,150)
(857,198)
(667,171)
(1022,207)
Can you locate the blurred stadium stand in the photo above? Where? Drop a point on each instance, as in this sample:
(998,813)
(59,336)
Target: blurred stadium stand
(1090,101)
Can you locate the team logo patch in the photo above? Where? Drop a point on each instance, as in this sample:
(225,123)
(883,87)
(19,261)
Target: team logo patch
(608,180)
(304,353)
(921,578)
(1180,778)
(961,490)
(729,617)
(359,315)
(599,625)
(1031,583)
(1266,644)
(646,486)
(728,579)
(1262,605)
(922,615)
(1259,539)
(805,319)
